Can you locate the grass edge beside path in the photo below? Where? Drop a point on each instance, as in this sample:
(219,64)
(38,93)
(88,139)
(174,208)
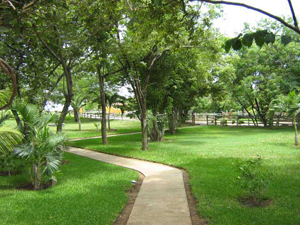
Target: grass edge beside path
(208,154)
(87,192)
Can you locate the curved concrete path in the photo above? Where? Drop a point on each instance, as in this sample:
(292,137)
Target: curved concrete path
(162,198)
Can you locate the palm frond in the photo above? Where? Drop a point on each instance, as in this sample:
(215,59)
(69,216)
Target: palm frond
(4,97)
(9,138)
(3,118)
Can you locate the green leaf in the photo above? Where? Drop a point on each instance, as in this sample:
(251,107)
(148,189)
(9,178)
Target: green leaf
(228,45)
(260,37)
(270,38)
(248,40)
(157,2)
(237,44)
(285,39)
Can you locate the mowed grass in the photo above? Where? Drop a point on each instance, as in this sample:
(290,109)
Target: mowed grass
(88,128)
(87,192)
(210,154)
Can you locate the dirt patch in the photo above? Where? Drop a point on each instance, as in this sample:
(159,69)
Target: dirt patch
(195,215)
(30,187)
(132,194)
(12,173)
(168,140)
(64,162)
(252,202)
(112,130)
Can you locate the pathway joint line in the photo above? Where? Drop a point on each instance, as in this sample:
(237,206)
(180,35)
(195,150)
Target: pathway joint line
(162,198)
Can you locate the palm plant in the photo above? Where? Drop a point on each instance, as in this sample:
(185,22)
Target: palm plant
(41,148)
(77,103)
(9,138)
(111,99)
(290,104)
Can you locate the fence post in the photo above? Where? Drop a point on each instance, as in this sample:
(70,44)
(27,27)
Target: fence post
(237,120)
(193,118)
(248,121)
(207,120)
(215,120)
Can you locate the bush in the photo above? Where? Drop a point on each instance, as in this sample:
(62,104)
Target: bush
(253,178)
(233,121)
(241,122)
(223,122)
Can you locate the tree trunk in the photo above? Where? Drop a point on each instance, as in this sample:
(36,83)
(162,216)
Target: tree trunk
(108,118)
(16,116)
(76,119)
(68,96)
(64,113)
(79,123)
(172,123)
(144,130)
(193,118)
(296,131)
(103,107)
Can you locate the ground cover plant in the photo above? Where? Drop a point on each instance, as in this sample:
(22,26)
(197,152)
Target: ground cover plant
(210,155)
(87,192)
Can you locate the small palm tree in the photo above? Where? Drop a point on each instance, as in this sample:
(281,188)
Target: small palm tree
(77,103)
(41,148)
(290,104)
(111,99)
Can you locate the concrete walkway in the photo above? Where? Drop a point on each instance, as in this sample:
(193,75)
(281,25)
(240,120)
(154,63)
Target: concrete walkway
(162,198)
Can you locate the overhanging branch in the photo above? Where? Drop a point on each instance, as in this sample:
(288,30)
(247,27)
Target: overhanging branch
(294,28)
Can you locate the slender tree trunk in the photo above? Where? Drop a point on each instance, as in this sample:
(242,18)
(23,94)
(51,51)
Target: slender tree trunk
(108,118)
(296,131)
(103,107)
(144,129)
(79,123)
(172,123)
(76,119)
(16,116)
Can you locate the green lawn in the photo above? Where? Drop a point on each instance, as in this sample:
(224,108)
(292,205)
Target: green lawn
(89,129)
(209,155)
(87,192)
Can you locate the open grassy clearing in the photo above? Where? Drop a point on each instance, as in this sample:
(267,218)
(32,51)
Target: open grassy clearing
(89,129)
(87,192)
(209,155)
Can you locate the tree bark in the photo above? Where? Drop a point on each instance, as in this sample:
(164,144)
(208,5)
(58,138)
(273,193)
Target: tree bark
(296,131)
(172,122)
(76,117)
(103,106)
(108,118)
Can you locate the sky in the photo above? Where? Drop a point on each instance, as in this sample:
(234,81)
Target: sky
(234,17)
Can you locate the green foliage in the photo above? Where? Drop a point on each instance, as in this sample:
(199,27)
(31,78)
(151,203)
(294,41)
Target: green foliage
(9,138)
(223,122)
(97,125)
(260,37)
(41,148)
(253,178)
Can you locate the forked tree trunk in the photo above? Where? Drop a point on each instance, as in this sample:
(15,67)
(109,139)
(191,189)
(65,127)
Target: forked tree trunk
(68,96)
(103,107)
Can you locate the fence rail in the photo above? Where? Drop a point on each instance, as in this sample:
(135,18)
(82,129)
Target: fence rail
(236,120)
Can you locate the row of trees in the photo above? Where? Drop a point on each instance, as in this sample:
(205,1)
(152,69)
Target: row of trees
(59,48)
